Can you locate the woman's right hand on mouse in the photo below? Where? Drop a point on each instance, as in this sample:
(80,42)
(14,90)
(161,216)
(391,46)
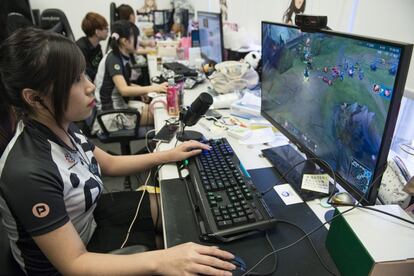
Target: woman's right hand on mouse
(192,259)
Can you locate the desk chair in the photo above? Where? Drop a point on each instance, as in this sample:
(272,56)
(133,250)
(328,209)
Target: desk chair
(8,265)
(19,14)
(113,13)
(56,21)
(123,137)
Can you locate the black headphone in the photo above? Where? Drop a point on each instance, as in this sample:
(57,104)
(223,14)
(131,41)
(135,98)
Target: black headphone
(37,99)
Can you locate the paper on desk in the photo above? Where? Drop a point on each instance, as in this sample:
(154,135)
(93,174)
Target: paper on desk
(259,136)
(251,99)
(287,194)
(316,182)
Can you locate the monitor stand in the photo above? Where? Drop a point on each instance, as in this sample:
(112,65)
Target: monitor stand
(285,157)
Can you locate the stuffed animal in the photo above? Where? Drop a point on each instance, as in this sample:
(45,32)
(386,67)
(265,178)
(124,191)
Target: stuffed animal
(253,58)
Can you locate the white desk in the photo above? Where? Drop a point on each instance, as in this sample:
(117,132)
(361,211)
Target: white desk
(250,156)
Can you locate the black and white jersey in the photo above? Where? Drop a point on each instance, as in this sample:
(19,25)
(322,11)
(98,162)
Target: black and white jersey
(44,184)
(107,96)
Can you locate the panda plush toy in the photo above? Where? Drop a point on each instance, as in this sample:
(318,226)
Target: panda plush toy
(254,58)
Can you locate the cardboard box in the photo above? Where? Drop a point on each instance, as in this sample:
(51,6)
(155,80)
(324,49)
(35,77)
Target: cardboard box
(366,242)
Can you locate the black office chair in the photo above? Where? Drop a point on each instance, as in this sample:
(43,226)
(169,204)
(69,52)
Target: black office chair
(19,14)
(56,20)
(8,265)
(113,13)
(123,137)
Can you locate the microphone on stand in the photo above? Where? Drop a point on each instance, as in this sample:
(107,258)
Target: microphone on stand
(190,116)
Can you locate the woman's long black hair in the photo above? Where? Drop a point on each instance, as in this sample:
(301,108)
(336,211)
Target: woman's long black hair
(40,60)
(122,29)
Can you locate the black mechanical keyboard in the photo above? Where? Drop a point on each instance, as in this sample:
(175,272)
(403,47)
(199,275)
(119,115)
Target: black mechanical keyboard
(180,69)
(226,204)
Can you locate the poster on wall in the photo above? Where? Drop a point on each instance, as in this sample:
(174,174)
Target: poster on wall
(295,7)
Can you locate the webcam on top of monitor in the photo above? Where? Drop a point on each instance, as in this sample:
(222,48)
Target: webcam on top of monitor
(311,22)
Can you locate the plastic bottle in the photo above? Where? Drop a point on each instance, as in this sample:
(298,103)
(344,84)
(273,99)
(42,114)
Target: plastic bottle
(172,98)
(179,80)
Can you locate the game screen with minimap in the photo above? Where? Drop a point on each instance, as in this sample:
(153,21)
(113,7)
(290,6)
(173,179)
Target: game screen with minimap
(332,93)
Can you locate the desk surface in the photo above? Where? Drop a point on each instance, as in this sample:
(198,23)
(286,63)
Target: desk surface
(180,226)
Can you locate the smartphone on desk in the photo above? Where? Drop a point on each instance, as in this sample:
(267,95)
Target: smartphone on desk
(166,133)
(213,113)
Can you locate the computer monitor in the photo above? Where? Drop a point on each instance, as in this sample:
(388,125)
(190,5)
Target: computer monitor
(211,36)
(163,20)
(336,96)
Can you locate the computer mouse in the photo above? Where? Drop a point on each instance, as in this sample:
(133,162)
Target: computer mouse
(342,198)
(240,264)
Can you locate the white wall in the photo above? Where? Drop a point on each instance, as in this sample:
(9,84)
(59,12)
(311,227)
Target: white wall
(377,18)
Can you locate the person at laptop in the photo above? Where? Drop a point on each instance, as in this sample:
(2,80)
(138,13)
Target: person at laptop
(51,199)
(113,77)
(126,12)
(95,28)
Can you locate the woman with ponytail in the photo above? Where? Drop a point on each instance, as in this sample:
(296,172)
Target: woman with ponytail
(113,78)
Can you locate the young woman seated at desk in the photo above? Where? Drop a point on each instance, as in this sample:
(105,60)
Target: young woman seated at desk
(50,174)
(113,78)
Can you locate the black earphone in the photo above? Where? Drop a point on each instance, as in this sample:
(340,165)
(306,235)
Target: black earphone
(37,99)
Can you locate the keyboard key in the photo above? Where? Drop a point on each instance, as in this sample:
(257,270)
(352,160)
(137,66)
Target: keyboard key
(224,223)
(240,220)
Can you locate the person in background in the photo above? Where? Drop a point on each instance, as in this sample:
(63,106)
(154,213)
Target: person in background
(113,77)
(295,7)
(57,219)
(126,12)
(96,30)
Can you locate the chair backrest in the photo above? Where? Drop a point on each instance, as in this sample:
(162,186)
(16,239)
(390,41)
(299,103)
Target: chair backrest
(56,20)
(113,13)
(19,14)
(8,266)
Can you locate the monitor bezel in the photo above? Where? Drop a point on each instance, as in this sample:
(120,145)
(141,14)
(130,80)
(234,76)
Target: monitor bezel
(221,34)
(399,85)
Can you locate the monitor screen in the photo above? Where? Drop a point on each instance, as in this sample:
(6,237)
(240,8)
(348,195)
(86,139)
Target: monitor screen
(211,36)
(336,96)
(162,20)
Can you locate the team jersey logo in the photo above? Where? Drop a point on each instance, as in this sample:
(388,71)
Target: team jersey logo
(117,67)
(69,157)
(40,210)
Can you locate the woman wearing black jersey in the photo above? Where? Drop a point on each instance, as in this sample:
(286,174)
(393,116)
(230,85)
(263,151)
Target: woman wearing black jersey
(113,78)
(50,174)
